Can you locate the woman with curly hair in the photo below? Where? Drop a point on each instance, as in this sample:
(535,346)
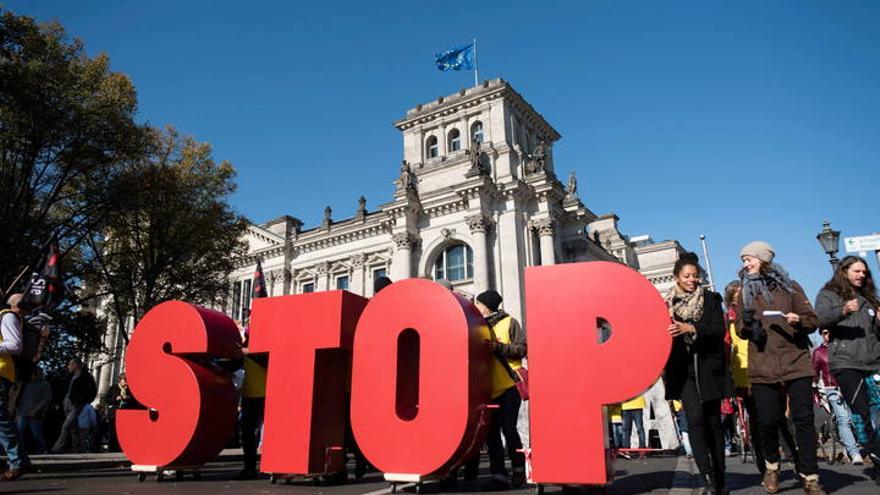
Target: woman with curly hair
(696,372)
(849,308)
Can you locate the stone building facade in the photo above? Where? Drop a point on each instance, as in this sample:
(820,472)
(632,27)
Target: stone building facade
(476,199)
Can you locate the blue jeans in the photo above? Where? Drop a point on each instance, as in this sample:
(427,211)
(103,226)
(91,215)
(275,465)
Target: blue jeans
(630,417)
(617,434)
(34,427)
(844,421)
(8,432)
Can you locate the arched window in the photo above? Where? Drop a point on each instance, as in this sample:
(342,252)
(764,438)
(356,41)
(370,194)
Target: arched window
(454,140)
(477,131)
(432,147)
(456,262)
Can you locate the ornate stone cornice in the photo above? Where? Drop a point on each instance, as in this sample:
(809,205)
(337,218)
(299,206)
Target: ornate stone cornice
(322,268)
(517,190)
(447,208)
(331,240)
(431,116)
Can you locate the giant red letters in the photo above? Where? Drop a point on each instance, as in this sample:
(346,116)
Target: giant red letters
(419,374)
(572,375)
(417,330)
(308,338)
(193,404)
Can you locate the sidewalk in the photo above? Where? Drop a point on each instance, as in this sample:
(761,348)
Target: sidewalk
(743,479)
(85,462)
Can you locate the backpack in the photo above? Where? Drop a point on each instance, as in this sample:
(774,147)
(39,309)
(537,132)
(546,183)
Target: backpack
(30,345)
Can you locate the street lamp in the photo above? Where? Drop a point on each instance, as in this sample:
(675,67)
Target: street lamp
(830,241)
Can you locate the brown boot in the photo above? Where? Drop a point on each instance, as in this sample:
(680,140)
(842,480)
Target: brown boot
(812,487)
(771,480)
(12,474)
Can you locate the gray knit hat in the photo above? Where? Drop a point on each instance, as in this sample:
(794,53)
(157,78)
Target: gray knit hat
(760,250)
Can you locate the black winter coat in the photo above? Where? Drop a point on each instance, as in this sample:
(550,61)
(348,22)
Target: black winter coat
(706,356)
(84,389)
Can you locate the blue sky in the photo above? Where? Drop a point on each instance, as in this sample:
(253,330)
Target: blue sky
(741,120)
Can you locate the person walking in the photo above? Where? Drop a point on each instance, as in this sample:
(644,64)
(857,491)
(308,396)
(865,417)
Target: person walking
(33,405)
(81,390)
(253,407)
(696,372)
(10,346)
(739,367)
(830,392)
(681,422)
(777,319)
(507,343)
(849,308)
(632,413)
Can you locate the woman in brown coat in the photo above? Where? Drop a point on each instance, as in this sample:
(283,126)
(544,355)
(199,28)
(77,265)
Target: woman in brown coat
(777,318)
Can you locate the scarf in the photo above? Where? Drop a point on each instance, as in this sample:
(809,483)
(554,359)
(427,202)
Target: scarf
(687,306)
(759,284)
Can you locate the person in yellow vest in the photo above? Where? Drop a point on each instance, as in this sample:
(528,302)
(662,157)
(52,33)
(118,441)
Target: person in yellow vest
(615,417)
(633,413)
(507,343)
(253,403)
(10,346)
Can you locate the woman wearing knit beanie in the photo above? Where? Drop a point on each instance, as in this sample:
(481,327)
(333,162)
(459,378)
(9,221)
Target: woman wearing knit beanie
(777,319)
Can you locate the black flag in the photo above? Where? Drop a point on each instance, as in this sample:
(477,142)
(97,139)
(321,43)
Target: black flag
(259,289)
(43,291)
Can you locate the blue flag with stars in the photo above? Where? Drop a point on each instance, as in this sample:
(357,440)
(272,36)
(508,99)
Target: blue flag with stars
(458,58)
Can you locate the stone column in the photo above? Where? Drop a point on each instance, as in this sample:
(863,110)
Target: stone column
(271,278)
(105,371)
(357,282)
(401,264)
(322,269)
(287,281)
(546,228)
(479,225)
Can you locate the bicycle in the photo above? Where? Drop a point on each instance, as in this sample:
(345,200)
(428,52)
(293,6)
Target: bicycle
(828,431)
(742,439)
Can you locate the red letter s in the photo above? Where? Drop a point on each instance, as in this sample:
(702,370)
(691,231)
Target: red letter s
(193,407)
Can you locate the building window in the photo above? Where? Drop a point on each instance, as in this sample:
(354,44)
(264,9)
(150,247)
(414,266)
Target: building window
(236,301)
(477,131)
(309,287)
(342,282)
(432,147)
(454,140)
(245,302)
(378,273)
(456,262)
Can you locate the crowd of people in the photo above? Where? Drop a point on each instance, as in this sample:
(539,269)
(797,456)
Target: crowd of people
(748,349)
(757,354)
(39,417)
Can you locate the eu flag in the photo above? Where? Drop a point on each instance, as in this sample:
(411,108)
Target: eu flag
(458,58)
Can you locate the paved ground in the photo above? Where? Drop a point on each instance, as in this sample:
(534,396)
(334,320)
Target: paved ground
(655,475)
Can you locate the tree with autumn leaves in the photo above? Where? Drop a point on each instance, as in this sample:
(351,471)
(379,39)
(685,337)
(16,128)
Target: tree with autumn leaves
(141,215)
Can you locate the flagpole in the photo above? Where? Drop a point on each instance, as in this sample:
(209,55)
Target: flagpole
(476,66)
